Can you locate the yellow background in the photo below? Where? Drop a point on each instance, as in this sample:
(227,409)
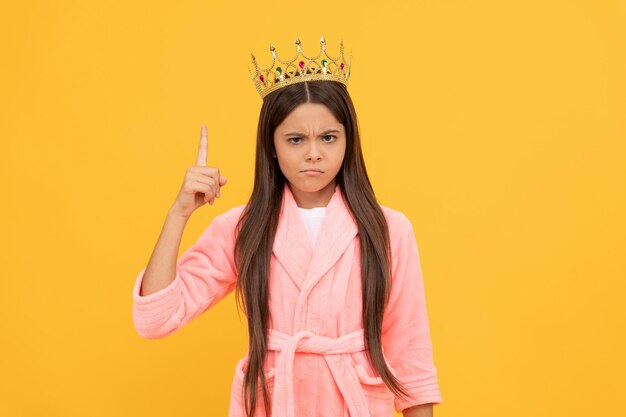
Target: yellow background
(498,127)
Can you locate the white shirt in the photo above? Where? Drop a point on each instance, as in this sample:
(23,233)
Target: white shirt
(312,220)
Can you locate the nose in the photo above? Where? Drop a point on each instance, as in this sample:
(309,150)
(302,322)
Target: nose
(313,153)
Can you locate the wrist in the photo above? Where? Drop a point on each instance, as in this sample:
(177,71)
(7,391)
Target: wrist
(177,214)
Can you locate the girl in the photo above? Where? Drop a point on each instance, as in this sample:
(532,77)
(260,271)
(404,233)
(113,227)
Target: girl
(329,280)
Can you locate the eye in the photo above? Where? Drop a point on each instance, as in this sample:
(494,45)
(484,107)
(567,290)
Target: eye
(334,138)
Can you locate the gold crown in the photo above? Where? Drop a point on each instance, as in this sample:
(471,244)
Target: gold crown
(300,68)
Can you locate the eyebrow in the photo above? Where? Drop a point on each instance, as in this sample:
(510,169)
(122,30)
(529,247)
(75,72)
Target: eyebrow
(323,133)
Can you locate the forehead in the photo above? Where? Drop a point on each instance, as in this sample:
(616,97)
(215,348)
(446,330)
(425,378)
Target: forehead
(310,116)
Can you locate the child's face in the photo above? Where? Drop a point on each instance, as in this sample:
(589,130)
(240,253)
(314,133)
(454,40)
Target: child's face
(310,138)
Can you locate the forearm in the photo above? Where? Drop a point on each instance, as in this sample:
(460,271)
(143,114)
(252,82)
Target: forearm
(422,410)
(161,268)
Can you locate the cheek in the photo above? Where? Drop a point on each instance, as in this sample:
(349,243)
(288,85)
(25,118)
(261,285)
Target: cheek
(339,155)
(287,160)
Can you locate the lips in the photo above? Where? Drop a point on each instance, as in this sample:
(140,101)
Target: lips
(312,170)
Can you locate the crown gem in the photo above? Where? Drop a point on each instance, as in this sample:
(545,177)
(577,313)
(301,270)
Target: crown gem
(279,70)
(301,64)
(262,78)
(342,65)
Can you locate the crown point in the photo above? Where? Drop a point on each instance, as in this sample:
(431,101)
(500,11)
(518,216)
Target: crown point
(253,58)
(322,40)
(298,45)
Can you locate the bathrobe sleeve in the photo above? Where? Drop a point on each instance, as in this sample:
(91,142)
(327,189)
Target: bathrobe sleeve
(405,333)
(205,273)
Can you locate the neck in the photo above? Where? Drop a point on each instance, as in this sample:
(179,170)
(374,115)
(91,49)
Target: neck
(313,199)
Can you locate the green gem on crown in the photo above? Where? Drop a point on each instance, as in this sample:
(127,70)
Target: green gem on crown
(279,70)
(324,62)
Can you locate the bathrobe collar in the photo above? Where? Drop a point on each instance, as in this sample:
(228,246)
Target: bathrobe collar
(292,248)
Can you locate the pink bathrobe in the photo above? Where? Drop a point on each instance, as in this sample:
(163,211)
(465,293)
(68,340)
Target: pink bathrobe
(316,364)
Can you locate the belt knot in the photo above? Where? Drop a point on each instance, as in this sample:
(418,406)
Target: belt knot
(336,352)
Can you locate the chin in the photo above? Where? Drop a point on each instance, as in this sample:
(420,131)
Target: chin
(311,186)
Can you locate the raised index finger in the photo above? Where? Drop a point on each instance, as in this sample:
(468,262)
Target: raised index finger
(202,148)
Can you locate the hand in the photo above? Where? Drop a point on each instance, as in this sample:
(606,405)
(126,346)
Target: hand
(201,184)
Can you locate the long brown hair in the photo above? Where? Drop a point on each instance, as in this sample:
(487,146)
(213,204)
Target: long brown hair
(259,220)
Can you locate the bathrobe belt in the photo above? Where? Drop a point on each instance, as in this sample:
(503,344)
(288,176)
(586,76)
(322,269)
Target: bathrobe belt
(336,353)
